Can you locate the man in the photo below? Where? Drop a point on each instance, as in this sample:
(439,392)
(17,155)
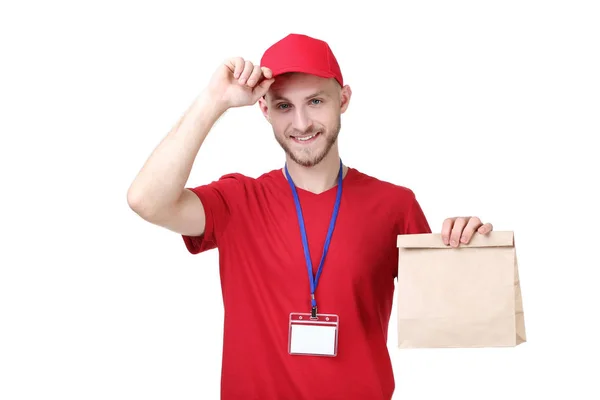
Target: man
(314,214)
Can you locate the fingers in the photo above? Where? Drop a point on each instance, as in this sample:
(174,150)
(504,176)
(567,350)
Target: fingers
(236,66)
(457,229)
(461,230)
(255,76)
(247,71)
(485,228)
(263,87)
(267,73)
(254,79)
(473,224)
(447,229)
(259,78)
(452,230)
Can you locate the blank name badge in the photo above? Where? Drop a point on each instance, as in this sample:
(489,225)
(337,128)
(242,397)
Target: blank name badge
(313,336)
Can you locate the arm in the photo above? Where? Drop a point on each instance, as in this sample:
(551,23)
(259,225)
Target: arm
(158,192)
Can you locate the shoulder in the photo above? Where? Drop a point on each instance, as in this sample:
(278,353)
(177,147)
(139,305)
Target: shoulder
(234,185)
(226,185)
(397,202)
(381,188)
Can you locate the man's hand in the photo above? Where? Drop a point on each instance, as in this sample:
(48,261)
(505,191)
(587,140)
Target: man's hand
(238,82)
(461,229)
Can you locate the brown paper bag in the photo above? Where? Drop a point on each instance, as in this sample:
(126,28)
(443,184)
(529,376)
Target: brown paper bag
(468,296)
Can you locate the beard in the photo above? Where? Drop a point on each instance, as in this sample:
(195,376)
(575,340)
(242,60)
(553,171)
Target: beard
(309,157)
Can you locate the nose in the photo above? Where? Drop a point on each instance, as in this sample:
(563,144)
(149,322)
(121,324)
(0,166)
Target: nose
(302,121)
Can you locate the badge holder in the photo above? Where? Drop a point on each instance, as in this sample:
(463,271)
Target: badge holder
(313,336)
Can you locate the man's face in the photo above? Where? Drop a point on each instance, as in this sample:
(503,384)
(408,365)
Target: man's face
(305,113)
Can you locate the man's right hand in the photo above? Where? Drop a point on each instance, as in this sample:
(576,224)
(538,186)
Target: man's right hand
(238,82)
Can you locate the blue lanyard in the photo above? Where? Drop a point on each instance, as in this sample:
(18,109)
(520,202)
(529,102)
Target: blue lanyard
(314,280)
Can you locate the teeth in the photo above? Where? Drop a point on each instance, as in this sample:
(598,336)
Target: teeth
(306,138)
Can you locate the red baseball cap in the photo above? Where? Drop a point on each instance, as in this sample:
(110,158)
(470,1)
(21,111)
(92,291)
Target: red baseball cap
(302,53)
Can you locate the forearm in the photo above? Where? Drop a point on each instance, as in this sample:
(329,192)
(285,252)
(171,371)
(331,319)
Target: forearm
(162,179)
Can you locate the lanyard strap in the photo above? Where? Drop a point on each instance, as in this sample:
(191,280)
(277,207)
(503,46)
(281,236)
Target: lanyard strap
(314,280)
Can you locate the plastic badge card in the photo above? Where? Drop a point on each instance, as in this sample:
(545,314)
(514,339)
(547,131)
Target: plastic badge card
(313,336)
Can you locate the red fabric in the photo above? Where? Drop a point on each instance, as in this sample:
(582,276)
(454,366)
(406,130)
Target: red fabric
(253,223)
(302,53)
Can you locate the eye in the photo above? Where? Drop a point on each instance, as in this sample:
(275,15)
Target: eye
(316,100)
(282,106)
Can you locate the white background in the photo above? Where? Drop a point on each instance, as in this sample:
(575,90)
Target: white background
(482,108)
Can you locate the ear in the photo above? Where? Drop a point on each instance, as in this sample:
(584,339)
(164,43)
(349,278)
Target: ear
(264,107)
(345,95)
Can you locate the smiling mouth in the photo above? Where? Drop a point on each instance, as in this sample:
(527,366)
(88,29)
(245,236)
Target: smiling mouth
(305,139)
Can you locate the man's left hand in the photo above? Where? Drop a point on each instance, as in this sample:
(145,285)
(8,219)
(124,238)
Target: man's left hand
(461,229)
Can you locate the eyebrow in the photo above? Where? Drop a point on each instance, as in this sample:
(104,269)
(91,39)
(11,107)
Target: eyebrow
(277,97)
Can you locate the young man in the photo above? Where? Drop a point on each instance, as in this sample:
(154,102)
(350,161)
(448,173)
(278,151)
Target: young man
(314,237)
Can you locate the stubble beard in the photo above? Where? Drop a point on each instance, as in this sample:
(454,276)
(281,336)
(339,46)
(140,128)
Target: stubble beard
(306,157)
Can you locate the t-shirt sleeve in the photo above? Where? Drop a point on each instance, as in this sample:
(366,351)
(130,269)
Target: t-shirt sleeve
(219,199)
(412,221)
(415,220)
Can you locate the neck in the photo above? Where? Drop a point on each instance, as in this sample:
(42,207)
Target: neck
(319,178)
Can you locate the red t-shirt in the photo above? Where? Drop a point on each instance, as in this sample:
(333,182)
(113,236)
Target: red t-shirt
(264,278)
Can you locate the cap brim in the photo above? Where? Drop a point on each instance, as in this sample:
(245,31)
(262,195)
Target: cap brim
(322,74)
